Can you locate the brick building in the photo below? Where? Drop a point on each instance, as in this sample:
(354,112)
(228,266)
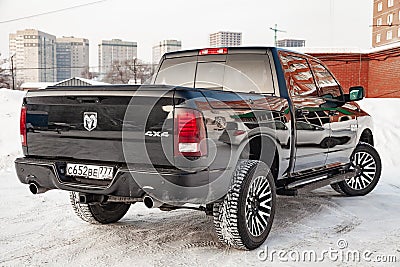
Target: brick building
(376,70)
(386,22)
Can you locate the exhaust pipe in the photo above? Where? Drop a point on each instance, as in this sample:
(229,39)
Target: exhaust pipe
(35,189)
(151,203)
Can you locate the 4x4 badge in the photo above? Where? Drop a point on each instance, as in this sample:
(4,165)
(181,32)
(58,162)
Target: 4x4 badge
(90,120)
(156,134)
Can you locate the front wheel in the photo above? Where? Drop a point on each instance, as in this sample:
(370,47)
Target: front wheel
(368,167)
(244,218)
(98,213)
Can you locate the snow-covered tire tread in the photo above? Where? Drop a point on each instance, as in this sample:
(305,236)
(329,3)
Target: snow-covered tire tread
(226,212)
(98,213)
(82,210)
(337,188)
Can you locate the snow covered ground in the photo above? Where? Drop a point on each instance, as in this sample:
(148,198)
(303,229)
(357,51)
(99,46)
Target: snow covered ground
(38,230)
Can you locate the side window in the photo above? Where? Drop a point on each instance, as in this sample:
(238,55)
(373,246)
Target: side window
(328,86)
(298,75)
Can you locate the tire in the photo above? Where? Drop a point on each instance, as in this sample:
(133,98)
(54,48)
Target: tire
(98,213)
(244,218)
(336,187)
(367,163)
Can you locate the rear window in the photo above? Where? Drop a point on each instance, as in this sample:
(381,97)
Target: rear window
(177,71)
(210,75)
(236,72)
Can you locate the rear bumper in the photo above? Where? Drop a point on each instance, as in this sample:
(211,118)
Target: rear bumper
(168,186)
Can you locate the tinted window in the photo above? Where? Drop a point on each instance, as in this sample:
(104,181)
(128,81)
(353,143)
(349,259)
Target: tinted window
(247,73)
(177,71)
(328,86)
(299,78)
(240,73)
(210,75)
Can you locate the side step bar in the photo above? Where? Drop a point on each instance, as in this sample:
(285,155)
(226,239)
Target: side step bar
(312,183)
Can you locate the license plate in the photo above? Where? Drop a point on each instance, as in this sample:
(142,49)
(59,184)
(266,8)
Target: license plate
(90,171)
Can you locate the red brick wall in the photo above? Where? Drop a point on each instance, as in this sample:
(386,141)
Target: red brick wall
(378,72)
(384,77)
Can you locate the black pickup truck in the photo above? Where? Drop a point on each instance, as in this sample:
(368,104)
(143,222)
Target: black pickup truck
(222,130)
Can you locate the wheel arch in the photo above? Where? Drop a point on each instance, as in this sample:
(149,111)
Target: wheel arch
(367,137)
(259,147)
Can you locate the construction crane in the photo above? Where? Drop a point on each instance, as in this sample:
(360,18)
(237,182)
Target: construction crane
(276,30)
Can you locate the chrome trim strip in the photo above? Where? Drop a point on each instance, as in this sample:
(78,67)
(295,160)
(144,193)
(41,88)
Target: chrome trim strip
(145,92)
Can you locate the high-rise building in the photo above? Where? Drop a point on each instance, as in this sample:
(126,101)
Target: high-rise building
(163,47)
(72,57)
(386,21)
(113,51)
(224,39)
(291,43)
(34,55)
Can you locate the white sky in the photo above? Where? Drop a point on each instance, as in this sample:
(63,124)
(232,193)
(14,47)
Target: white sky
(322,23)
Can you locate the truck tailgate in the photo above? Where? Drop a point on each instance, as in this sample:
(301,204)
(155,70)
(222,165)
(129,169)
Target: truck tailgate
(86,123)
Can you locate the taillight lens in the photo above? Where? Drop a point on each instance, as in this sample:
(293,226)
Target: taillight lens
(213,51)
(22,126)
(190,133)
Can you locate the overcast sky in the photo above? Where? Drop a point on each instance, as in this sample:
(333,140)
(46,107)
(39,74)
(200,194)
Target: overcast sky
(322,23)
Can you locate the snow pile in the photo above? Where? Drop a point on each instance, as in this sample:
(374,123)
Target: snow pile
(10,109)
(385,113)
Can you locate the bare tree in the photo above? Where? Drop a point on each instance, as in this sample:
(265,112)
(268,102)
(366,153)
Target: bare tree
(87,74)
(134,70)
(18,84)
(5,79)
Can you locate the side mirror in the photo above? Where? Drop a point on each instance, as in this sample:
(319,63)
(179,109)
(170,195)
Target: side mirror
(356,93)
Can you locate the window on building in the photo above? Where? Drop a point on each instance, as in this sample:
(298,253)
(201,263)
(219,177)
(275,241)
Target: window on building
(380,6)
(378,38)
(390,19)
(379,22)
(390,3)
(389,35)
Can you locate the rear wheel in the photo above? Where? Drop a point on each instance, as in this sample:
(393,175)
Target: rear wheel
(98,213)
(244,218)
(367,165)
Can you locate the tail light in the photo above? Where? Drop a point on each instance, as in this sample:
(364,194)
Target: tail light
(213,51)
(22,126)
(190,133)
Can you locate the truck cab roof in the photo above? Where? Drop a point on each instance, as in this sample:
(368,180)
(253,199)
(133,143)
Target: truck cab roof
(225,50)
